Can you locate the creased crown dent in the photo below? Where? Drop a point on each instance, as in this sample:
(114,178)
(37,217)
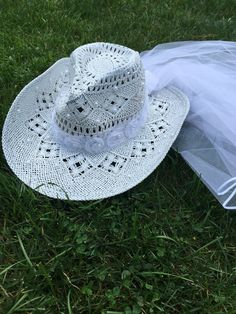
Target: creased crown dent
(106,88)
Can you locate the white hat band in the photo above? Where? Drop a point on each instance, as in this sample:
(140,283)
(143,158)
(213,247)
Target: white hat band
(114,137)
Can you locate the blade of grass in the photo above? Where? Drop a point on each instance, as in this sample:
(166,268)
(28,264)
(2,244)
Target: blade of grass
(25,253)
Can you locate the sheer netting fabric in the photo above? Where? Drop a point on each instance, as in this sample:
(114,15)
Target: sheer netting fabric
(206,72)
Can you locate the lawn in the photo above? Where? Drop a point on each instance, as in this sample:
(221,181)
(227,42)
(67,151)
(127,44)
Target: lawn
(165,245)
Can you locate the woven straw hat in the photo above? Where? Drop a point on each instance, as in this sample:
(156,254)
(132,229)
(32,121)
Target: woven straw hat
(87,128)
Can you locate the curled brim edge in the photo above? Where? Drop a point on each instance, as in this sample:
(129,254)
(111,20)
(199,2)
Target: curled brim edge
(46,166)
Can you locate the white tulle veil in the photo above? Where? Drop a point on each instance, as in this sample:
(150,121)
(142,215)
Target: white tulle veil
(206,72)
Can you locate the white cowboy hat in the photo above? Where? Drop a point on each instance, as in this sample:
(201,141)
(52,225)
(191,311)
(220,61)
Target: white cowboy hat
(87,128)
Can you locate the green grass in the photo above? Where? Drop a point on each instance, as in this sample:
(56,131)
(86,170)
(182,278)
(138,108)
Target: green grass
(164,246)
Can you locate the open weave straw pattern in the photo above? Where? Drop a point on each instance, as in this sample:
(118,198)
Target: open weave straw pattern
(106,89)
(54,170)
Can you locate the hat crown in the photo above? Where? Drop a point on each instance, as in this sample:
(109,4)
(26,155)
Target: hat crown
(106,88)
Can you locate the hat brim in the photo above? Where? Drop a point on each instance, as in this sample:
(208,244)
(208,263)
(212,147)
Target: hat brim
(64,174)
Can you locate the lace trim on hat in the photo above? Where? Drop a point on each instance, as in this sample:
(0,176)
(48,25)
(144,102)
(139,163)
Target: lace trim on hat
(106,141)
